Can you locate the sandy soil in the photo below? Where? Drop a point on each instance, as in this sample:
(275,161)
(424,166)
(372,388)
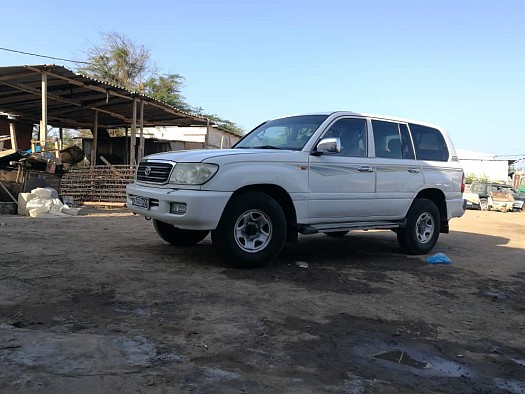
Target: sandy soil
(99,303)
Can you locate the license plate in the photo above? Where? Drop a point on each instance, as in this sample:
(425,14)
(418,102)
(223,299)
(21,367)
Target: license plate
(138,201)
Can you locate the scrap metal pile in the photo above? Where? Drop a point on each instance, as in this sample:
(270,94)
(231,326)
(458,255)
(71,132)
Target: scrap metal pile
(97,184)
(21,171)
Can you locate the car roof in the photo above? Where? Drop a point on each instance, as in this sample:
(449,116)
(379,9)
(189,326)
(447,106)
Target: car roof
(369,115)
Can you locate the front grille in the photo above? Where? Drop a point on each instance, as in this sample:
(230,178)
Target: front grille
(154,172)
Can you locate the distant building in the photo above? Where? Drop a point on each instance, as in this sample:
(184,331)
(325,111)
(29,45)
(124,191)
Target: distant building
(217,137)
(484,165)
(161,139)
(518,165)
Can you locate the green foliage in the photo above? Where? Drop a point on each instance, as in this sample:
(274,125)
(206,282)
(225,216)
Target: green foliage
(225,124)
(122,62)
(118,61)
(471,178)
(68,136)
(166,88)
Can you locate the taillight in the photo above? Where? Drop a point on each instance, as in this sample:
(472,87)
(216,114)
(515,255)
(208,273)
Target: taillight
(463,183)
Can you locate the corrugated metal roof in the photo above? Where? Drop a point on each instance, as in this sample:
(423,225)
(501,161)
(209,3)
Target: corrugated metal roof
(72,99)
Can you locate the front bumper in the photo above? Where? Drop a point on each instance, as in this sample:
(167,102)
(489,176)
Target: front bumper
(204,208)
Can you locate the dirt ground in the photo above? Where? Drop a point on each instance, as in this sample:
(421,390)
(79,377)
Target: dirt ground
(99,303)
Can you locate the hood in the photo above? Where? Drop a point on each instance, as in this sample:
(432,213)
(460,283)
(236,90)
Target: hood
(199,155)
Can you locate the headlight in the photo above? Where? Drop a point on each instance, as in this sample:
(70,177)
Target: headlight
(193,173)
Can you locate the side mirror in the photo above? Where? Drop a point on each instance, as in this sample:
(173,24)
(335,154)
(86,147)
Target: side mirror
(328,146)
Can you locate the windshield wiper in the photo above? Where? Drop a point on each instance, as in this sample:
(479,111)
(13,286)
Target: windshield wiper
(265,147)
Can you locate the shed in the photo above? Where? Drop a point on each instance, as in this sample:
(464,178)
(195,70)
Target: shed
(54,95)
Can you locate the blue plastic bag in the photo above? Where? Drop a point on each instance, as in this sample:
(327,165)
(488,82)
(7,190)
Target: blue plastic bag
(439,258)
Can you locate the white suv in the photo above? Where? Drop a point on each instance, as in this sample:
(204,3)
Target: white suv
(317,173)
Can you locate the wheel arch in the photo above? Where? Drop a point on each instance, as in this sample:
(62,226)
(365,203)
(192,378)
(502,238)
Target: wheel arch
(437,197)
(283,199)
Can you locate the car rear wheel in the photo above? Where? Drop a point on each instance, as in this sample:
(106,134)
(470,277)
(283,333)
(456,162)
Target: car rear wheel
(422,228)
(484,204)
(252,230)
(177,236)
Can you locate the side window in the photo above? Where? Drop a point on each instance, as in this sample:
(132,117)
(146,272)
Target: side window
(352,133)
(407,148)
(476,188)
(387,139)
(429,143)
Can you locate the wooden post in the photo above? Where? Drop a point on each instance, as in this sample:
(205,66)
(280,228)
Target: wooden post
(141,148)
(94,131)
(126,144)
(207,136)
(12,134)
(133,144)
(43,120)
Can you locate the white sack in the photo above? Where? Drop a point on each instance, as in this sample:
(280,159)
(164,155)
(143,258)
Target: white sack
(41,192)
(38,206)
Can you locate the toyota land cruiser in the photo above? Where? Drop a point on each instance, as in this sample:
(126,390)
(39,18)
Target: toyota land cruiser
(317,173)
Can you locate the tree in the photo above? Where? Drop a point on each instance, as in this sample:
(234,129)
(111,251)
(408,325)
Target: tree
(167,88)
(119,61)
(226,124)
(122,62)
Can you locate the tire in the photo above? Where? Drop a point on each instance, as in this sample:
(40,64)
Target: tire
(251,232)
(177,236)
(337,234)
(484,204)
(422,228)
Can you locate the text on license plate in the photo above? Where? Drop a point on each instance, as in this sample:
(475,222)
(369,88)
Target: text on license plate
(138,201)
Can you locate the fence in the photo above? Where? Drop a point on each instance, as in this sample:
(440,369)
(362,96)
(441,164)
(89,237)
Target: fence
(98,183)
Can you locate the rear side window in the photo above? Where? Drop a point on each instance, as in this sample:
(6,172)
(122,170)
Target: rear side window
(392,140)
(428,143)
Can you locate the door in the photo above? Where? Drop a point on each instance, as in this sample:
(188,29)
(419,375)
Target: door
(399,176)
(342,185)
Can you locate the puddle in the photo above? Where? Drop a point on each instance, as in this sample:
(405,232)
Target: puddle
(400,357)
(512,386)
(79,354)
(418,359)
(520,362)
(217,374)
(495,295)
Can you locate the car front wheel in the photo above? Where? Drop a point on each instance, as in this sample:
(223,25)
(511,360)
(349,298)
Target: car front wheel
(422,228)
(177,236)
(252,230)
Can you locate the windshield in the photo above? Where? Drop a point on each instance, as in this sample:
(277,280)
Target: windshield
(285,133)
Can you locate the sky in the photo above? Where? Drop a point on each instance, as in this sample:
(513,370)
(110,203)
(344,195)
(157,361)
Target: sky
(459,64)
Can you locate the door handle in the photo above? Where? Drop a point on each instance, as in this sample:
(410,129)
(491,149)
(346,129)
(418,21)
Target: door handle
(414,170)
(365,169)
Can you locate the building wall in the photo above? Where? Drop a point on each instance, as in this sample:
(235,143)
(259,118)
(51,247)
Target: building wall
(23,132)
(162,139)
(221,140)
(116,149)
(217,138)
(493,170)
